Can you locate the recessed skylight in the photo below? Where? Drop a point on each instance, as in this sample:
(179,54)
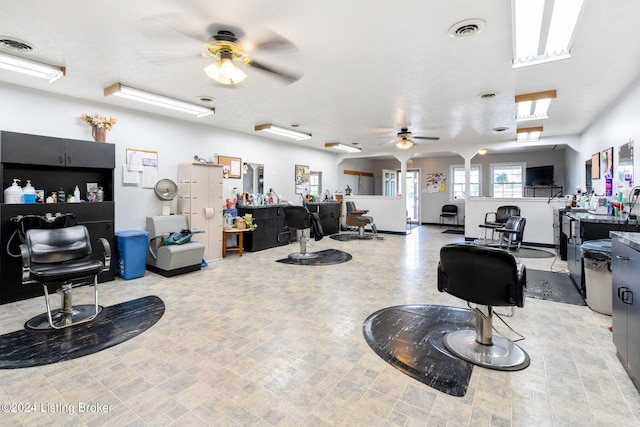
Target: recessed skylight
(534,106)
(543,30)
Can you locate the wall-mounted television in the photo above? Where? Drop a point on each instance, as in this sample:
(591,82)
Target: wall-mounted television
(539,175)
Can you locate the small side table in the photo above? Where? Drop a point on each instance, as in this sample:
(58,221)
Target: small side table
(233,232)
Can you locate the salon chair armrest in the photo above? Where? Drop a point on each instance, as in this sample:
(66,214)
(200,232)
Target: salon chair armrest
(26,265)
(106,253)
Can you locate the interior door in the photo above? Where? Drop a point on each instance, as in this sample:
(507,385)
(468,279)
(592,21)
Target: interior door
(389,182)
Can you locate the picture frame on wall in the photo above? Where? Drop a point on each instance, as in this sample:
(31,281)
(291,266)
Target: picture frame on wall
(302,179)
(595,166)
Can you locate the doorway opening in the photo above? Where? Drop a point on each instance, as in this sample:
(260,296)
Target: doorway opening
(413,195)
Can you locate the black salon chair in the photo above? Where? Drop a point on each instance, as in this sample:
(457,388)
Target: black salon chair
(495,220)
(486,277)
(512,232)
(304,222)
(62,256)
(358,218)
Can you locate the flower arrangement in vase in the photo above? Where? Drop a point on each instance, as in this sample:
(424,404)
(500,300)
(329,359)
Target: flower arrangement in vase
(99,125)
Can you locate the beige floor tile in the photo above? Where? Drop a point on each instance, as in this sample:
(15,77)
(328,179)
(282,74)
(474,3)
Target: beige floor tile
(249,341)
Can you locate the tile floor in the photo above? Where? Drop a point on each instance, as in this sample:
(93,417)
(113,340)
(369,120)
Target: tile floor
(251,342)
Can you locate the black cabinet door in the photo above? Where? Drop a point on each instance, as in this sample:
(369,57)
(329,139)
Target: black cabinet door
(88,154)
(97,217)
(620,271)
(20,148)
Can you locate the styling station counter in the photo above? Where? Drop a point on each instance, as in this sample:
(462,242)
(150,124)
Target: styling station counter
(329,216)
(272,230)
(580,227)
(625,258)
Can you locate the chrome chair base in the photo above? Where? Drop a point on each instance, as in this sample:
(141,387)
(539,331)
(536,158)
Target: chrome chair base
(501,355)
(62,319)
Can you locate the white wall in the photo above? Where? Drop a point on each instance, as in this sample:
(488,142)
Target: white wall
(360,185)
(617,125)
(31,111)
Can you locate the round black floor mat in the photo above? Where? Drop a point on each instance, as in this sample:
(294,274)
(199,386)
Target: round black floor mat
(411,339)
(325,257)
(346,237)
(114,325)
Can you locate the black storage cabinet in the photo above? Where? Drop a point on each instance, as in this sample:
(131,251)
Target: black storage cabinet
(51,163)
(329,213)
(271,231)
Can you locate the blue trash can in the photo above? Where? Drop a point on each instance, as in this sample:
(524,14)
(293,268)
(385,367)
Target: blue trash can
(131,253)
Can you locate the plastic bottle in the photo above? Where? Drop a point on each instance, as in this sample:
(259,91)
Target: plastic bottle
(13,193)
(76,194)
(61,196)
(28,189)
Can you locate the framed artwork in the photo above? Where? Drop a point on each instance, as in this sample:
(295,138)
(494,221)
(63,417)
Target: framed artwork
(302,179)
(232,166)
(606,166)
(595,166)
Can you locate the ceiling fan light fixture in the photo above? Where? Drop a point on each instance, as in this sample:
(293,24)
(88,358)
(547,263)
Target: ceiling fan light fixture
(280,131)
(31,68)
(404,144)
(225,71)
(127,92)
(343,147)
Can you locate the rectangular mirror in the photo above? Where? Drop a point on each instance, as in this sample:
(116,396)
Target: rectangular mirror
(625,164)
(253,180)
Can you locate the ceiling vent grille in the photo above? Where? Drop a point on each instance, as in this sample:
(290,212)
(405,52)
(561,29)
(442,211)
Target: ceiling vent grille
(467,28)
(15,45)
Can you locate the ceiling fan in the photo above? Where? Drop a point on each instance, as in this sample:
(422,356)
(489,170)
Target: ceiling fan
(404,139)
(230,50)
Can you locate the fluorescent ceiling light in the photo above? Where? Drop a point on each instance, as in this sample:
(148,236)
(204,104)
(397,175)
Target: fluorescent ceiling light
(277,130)
(225,71)
(529,134)
(544,30)
(534,106)
(122,91)
(31,68)
(404,143)
(344,147)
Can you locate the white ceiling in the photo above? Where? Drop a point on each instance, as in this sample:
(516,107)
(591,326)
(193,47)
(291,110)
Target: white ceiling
(369,67)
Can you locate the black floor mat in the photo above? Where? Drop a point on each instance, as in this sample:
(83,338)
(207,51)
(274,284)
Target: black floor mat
(453,231)
(325,257)
(114,325)
(411,338)
(552,286)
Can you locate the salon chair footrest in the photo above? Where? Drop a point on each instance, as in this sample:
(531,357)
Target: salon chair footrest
(503,355)
(77,315)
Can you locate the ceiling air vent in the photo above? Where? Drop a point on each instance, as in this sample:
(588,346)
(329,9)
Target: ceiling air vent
(15,45)
(467,28)
(487,96)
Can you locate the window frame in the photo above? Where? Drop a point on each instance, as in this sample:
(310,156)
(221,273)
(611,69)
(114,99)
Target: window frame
(452,170)
(523,168)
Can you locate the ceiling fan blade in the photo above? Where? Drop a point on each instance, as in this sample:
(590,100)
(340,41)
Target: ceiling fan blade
(286,76)
(430,138)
